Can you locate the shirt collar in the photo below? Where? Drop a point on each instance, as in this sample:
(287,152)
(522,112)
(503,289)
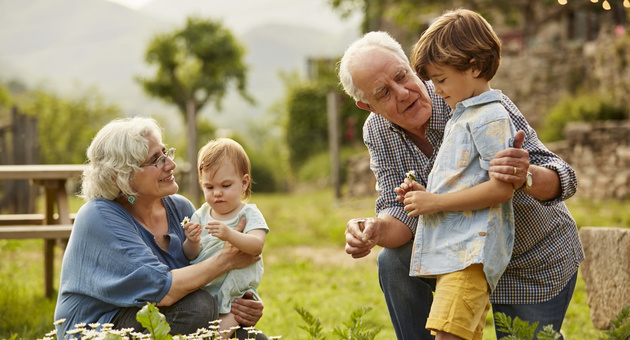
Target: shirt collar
(484,98)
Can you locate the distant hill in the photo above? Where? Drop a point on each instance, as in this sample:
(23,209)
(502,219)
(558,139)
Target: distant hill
(102,44)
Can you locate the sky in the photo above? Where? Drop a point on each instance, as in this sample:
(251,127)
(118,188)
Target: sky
(243,15)
(133,4)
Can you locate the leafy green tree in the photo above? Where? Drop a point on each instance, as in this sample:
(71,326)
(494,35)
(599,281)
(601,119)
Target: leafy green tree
(195,66)
(306,120)
(307,127)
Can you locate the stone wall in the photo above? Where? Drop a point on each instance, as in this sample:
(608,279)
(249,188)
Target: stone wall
(599,153)
(536,78)
(361,181)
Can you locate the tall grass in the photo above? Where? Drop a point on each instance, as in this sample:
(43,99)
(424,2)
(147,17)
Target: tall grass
(23,308)
(305,266)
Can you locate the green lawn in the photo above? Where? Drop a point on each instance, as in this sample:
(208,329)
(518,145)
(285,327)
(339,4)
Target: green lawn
(305,266)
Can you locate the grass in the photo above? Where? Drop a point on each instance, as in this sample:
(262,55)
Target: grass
(305,266)
(23,308)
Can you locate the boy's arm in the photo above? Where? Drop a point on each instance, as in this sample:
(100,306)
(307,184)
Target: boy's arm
(251,243)
(480,196)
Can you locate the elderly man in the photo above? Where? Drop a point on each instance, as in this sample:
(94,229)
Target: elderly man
(403,132)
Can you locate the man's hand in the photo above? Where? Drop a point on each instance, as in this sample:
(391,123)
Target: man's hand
(246,310)
(361,236)
(511,165)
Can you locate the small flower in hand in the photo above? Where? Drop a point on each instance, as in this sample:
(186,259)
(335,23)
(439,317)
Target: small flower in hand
(186,220)
(411,175)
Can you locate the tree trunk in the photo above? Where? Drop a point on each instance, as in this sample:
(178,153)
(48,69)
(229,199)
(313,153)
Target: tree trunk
(191,124)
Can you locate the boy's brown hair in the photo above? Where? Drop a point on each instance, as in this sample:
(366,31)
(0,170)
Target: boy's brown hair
(225,149)
(460,38)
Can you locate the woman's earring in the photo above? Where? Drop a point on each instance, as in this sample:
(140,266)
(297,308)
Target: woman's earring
(131,199)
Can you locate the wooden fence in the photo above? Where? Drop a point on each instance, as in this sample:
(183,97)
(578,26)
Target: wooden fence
(18,145)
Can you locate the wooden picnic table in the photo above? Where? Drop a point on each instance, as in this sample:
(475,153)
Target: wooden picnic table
(53,178)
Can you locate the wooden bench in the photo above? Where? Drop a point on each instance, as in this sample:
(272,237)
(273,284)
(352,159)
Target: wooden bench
(56,222)
(52,234)
(46,232)
(28,219)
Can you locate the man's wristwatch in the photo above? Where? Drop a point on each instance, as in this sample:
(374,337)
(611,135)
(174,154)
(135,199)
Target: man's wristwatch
(528,181)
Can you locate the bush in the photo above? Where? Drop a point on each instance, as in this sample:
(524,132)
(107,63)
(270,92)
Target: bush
(586,107)
(307,127)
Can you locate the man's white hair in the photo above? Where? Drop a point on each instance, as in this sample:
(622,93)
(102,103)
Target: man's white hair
(356,50)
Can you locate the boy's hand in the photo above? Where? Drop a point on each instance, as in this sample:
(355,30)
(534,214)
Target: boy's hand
(193,232)
(419,202)
(407,186)
(219,230)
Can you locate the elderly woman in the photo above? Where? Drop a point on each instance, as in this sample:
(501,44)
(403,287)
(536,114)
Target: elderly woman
(126,246)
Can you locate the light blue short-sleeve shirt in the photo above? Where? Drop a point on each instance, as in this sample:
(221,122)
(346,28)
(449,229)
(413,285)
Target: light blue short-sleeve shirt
(446,242)
(236,282)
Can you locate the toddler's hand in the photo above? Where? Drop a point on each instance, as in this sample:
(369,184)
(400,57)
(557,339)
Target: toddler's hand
(218,230)
(193,231)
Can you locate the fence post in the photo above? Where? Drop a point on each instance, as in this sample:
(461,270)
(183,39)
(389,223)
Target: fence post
(18,195)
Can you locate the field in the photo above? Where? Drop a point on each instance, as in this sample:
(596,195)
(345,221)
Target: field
(305,266)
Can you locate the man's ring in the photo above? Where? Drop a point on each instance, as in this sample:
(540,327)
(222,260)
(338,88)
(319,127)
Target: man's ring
(514,170)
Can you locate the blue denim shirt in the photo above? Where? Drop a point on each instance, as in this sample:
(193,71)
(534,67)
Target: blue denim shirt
(112,261)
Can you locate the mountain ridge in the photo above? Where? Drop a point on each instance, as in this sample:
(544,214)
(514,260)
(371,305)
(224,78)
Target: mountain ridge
(102,44)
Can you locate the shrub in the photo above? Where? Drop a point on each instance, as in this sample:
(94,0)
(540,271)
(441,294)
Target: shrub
(586,107)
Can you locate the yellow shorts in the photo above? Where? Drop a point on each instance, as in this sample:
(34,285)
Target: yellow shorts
(461,303)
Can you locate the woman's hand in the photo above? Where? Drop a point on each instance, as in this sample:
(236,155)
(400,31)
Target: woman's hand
(246,310)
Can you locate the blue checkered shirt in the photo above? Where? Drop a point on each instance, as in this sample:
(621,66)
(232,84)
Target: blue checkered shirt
(547,249)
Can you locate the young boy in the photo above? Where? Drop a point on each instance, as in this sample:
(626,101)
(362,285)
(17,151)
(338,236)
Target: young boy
(466,234)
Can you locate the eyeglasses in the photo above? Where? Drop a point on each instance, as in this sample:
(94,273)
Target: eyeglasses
(160,161)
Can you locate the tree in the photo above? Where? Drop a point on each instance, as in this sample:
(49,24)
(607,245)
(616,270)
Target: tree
(195,66)
(65,124)
(414,15)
